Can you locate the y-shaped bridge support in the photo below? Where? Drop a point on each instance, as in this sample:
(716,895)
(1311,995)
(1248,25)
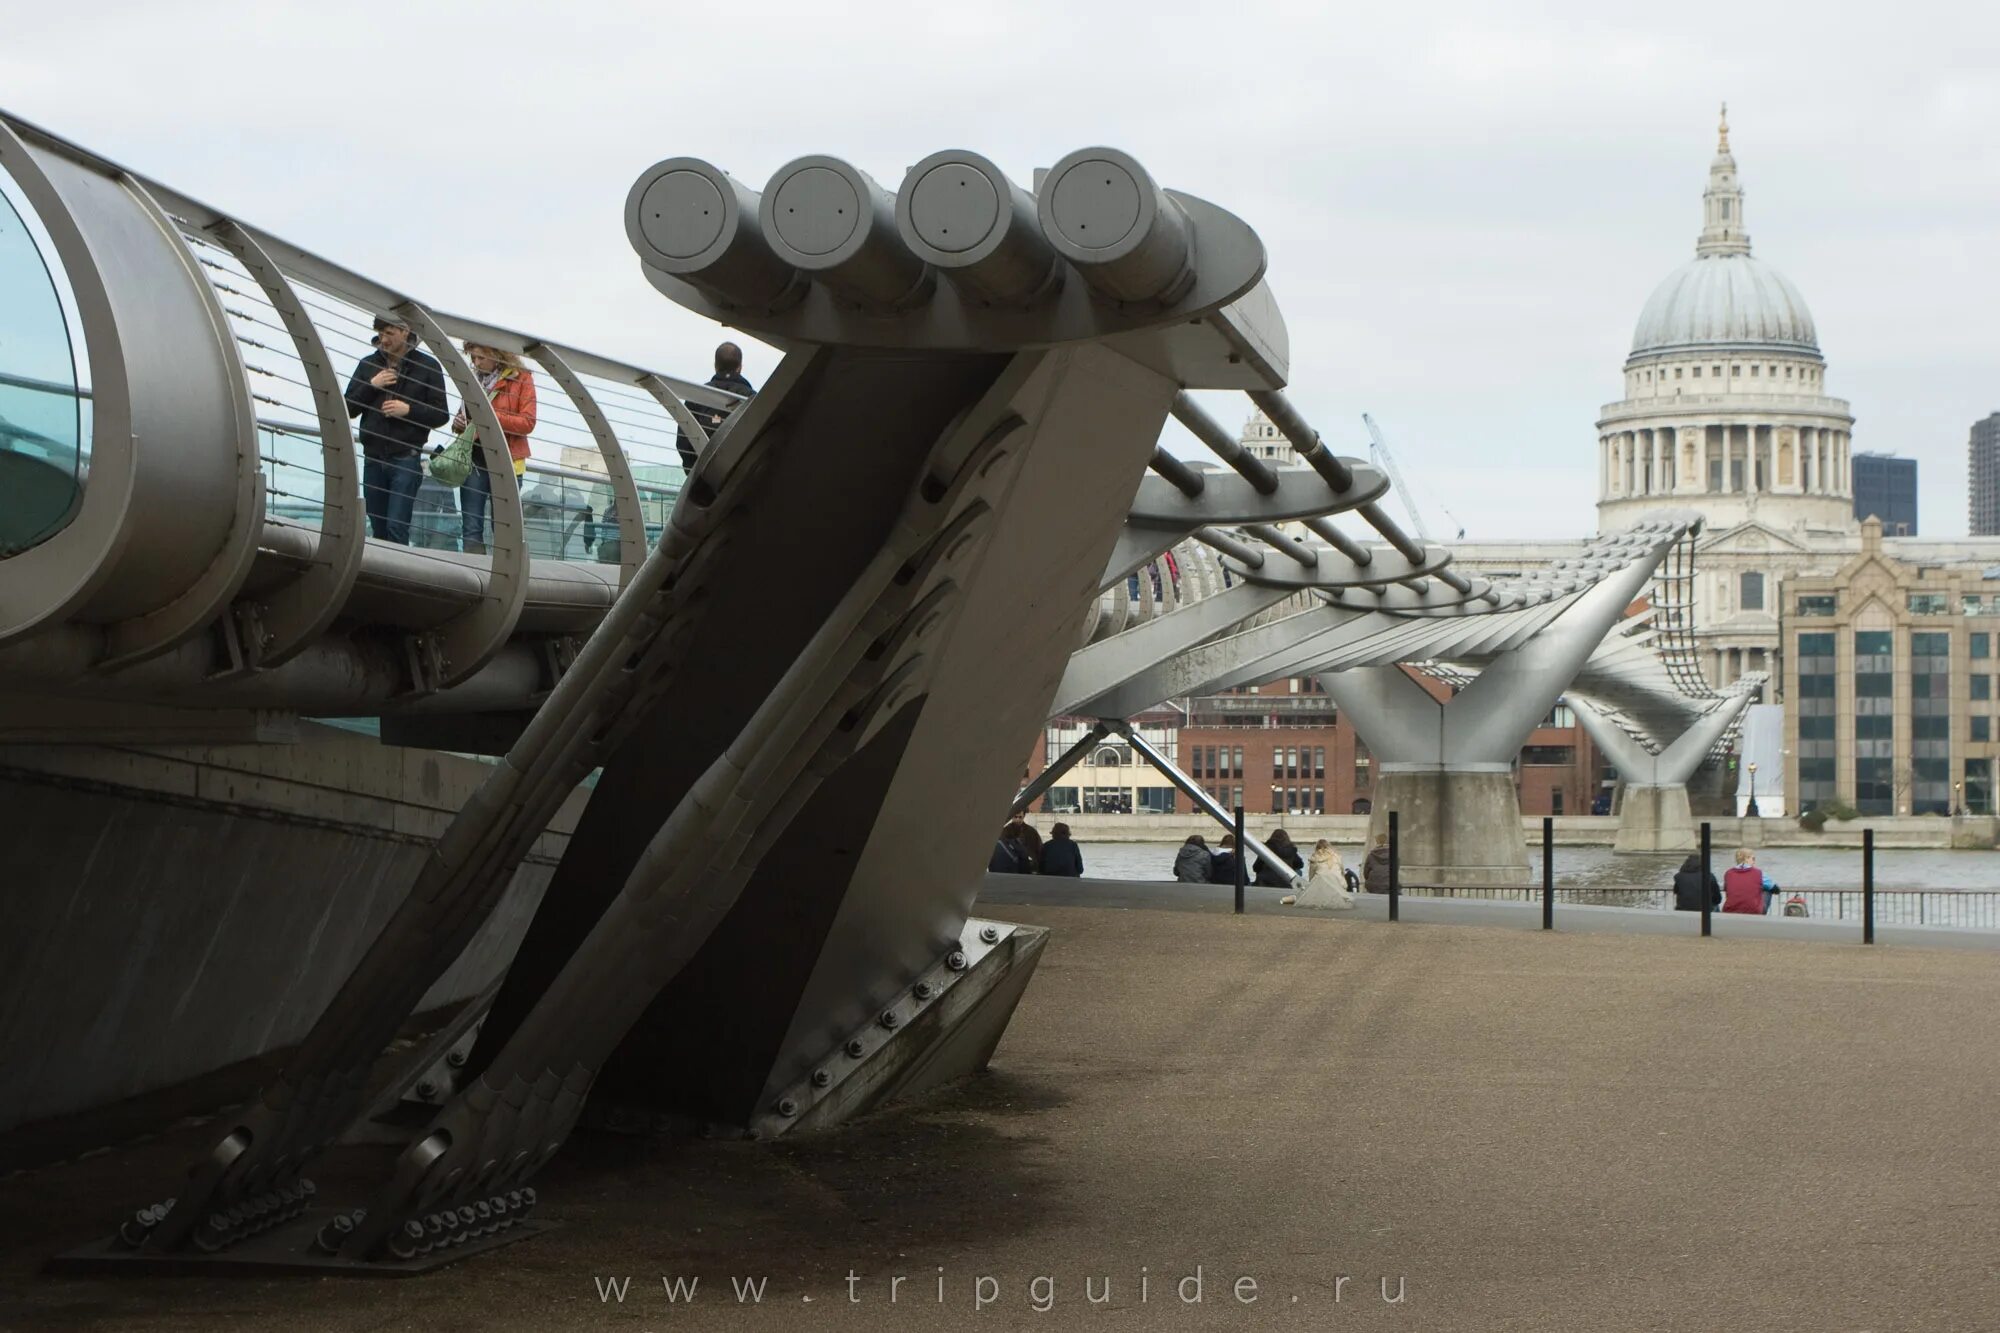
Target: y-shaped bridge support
(740,934)
(1447,765)
(1654,815)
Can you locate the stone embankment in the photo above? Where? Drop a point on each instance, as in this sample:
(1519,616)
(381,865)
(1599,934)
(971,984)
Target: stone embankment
(1901,832)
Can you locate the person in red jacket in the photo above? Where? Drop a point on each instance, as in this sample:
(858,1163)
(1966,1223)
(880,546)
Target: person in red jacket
(1746,888)
(511,387)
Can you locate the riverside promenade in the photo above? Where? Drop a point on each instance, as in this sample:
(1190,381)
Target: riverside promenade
(1517,1130)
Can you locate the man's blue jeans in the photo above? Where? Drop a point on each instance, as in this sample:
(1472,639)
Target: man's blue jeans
(389,491)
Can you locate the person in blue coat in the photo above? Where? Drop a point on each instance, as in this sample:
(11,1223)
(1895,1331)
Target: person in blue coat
(1061,855)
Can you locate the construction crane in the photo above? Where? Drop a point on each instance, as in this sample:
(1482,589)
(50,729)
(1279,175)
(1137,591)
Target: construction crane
(1379,455)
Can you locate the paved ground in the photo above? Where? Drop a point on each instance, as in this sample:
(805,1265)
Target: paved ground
(1522,1131)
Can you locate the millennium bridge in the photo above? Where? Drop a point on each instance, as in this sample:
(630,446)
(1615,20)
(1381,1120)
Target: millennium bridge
(748,726)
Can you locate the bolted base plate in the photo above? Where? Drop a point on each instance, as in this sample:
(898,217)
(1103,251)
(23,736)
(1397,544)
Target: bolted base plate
(285,1251)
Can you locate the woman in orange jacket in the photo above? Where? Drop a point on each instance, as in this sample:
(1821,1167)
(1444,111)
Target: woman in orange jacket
(511,387)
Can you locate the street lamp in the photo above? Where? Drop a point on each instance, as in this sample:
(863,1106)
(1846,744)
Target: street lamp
(1957,798)
(1752,811)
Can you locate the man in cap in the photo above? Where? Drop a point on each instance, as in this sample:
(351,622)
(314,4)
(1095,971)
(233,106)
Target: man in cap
(398,392)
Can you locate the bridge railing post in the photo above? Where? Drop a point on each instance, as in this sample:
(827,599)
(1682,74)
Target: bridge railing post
(1242,860)
(1706,905)
(1395,871)
(1868,886)
(1548,872)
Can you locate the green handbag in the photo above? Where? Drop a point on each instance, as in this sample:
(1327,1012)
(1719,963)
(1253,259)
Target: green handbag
(453,464)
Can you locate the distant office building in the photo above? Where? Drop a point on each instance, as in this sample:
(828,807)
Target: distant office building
(1885,487)
(1984,482)
(1889,684)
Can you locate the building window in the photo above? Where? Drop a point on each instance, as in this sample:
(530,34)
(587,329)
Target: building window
(1821,605)
(1982,727)
(1697,372)
(1319,762)
(1753,372)
(1981,685)
(1874,721)
(1929,604)
(1930,723)
(1982,644)
(1360,764)
(1677,371)
(1751,596)
(1735,370)
(1717,372)
(1979,786)
(1548,756)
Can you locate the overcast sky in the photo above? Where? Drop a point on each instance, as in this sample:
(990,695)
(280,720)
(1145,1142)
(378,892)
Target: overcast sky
(1464,210)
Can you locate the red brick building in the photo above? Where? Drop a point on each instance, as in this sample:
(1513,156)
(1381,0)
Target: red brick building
(1282,748)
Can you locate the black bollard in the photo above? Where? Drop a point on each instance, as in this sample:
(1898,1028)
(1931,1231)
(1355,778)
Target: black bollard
(1548,872)
(1868,886)
(1242,860)
(1395,871)
(1706,906)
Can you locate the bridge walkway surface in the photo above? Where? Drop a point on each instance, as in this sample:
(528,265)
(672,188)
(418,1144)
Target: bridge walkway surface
(1585,1131)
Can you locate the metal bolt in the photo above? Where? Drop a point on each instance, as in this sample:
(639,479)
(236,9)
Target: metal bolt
(456,1059)
(427,1089)
(468,1216)
(889,1019)
(528,1197)
(855,1047)
(955,960)
(788,1108)
(335,1233)
(989,934)
(821,1078)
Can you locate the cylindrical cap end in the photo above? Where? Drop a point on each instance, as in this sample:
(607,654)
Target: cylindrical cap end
(688,218)
(1104,213)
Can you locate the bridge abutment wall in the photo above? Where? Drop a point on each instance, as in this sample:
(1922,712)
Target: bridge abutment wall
(176,910)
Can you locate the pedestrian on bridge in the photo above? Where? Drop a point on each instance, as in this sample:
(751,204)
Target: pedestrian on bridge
(728,376)
(511,388)
(398,393)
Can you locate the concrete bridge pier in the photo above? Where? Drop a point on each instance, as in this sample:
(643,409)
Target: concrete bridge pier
(1654,814)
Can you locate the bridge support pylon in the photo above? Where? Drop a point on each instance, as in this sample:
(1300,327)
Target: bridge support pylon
(1446,765)
(1654,814)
